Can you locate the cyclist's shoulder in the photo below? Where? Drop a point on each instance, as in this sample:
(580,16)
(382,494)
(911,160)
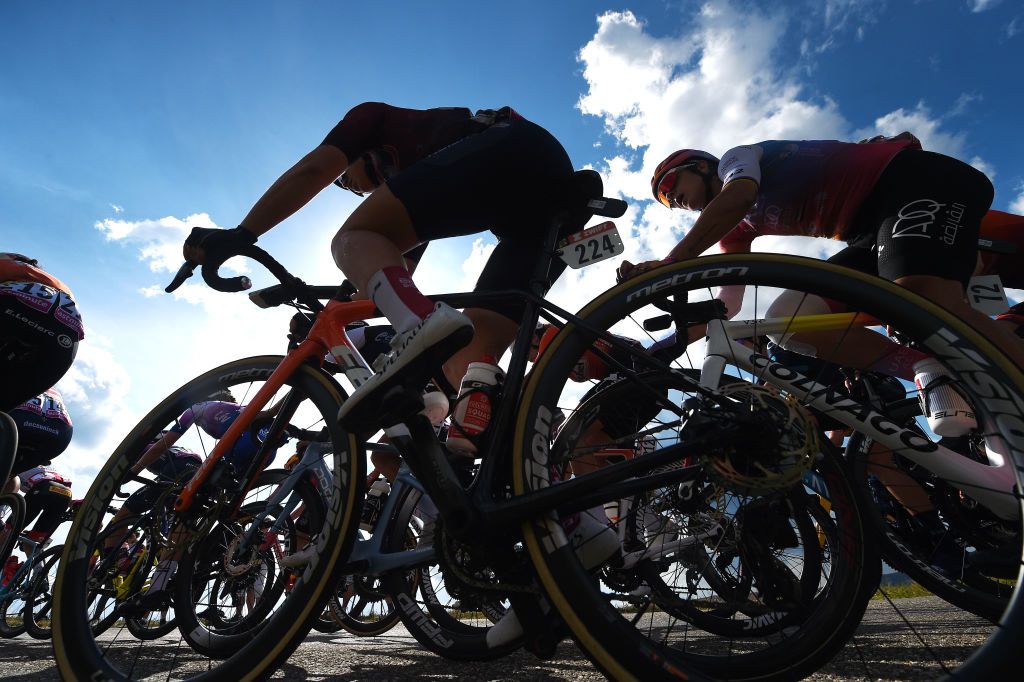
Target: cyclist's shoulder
(17,268)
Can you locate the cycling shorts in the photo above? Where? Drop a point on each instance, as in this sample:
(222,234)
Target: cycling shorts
(145,498)
(48,500)
(923,217)
(39,439)
(39,333)
(509,179)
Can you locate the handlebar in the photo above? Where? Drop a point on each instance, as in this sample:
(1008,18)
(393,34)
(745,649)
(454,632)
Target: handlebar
(291,284)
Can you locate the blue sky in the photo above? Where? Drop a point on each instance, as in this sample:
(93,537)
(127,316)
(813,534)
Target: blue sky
(125,123)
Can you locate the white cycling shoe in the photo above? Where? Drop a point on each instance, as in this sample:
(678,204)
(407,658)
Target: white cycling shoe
(594,542)
(417,356)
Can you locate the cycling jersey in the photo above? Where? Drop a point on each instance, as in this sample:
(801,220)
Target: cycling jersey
(215,417)
(40,328)
(1009,229)
(41,476)
(810,188)
(407,135)
(592,365)
(44,429)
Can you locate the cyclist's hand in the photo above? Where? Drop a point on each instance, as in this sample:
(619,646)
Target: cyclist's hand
(629,270)
(204,241)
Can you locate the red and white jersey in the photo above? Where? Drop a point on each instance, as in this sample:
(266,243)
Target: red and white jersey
(38,475)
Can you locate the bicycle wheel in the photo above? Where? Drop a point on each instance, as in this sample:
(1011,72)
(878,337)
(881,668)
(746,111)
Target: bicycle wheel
(449,608)
(310,402)
(694,430)
(12,607)
(220,596)
(962,553)
(12,515)
(39,604)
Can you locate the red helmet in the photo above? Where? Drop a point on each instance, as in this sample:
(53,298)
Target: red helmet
(684,158)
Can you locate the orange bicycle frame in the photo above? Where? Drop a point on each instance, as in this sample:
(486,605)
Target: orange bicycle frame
(326,335)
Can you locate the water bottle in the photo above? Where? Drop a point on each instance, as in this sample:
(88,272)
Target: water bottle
(947,411)
(375,498)
(477,397)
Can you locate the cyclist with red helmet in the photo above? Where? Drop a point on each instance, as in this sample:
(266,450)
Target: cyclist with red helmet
(430,174)
(906,214)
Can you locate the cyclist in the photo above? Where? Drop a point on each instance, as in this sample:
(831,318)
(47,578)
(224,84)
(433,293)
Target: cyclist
(39,329)
(214,417)
(44,432)
(909,215)
(47,496)
(432,174)
(175,465)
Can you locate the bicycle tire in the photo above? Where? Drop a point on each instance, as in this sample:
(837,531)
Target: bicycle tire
(612,643)
(12,516)
(975,593)
(39,605)
(77,653)
(12,608)
(437,623)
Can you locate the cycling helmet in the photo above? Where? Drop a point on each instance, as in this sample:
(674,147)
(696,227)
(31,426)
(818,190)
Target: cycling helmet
(684,158)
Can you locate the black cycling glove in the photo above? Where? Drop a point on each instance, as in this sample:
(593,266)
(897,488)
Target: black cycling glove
(220,244)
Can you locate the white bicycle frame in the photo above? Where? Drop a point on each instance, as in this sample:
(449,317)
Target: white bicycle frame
(992,485)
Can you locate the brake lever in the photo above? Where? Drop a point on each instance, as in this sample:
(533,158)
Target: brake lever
(186,270)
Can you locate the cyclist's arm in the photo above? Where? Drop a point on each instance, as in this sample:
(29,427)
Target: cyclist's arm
(725,212)
(293,190)
(154,452)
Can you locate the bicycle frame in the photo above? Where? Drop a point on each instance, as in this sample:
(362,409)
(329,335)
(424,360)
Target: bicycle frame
(26,565)
(992,485)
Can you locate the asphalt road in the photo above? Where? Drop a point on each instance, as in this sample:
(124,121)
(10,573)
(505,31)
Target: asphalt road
(884,648)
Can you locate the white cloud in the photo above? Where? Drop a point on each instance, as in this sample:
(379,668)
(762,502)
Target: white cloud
(95,390)
(982,5)
(117,209)
(1017,206)
(159,241)
(718,84)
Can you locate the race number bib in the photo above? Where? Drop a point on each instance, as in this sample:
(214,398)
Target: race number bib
(986,294)
(592,245)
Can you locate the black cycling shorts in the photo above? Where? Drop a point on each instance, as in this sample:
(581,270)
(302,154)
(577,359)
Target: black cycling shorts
(508,179)
(48,500)
(923,217)
(39,439)
(37,345)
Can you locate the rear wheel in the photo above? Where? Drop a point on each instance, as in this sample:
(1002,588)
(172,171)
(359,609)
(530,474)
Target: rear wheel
(311,400)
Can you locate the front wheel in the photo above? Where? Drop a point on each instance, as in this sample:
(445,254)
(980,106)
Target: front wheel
(755,443)
(309,401)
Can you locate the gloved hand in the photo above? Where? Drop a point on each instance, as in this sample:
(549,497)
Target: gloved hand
(206,242)
(629,270)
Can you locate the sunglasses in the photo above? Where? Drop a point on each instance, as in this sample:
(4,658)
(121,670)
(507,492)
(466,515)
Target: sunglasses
(371,174)
(668,181)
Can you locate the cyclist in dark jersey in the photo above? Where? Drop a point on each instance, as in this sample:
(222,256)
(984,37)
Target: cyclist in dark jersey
(40,328)
(433,173)
(44,429)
